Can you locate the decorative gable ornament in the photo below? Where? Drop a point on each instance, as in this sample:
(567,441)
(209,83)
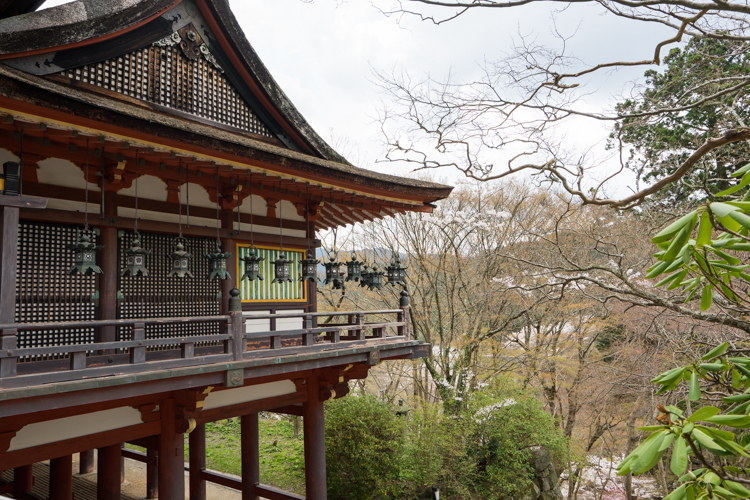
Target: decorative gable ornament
(191,43)
(85,257)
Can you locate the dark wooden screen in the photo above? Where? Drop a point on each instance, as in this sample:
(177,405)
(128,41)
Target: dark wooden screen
(44,289)
(165,76)
(159,296)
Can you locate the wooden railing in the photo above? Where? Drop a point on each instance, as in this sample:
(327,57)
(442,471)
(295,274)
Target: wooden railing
(139,354)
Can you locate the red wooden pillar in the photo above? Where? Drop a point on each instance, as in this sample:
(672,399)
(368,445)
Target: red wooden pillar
(152,474)
(86,462)
(250,445)
(315,443)
(171,455)
(23,480)
(197,440)
(61,478)
(108,472)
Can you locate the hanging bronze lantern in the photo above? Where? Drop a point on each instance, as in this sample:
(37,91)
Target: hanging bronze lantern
(180,260)
(218,263)
(85,257)
(376,278)
(309,268)
(366,276)
(252,265)
(282,269)
(354,269)
(135,261)
(395,272)
(333,275)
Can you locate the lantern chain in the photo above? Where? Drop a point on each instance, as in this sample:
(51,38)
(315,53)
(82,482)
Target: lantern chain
(135,224)
(239,221)
(86,192)
(218,237)
(179,196)
(250,195)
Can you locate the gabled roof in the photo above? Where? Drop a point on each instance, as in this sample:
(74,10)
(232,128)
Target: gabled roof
(66,53)
(89,31)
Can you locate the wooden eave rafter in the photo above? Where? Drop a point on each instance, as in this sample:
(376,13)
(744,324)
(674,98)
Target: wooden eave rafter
(117,156)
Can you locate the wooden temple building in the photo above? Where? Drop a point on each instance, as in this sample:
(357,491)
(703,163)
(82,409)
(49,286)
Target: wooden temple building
(131,131)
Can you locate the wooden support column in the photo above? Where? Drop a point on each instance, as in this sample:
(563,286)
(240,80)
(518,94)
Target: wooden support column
(197,440)
(86,462)
(171,454)
(152,474)
(8,270)
(250,445)
(108,480)
(226,285)
(61,478)
(23,480)
(315,444)
(108,283)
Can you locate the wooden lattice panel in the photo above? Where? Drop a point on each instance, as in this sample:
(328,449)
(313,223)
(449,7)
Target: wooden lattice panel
(160,296)
(163,75)
(46,292)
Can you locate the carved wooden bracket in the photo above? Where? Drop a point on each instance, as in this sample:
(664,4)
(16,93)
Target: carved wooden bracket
(173,191)
(5,439)
(271,204)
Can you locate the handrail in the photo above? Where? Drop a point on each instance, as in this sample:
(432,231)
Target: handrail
(112,322)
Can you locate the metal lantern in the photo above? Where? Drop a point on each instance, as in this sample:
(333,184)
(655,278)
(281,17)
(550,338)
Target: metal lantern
(85,255)
(282,269)
(396,273)
(333,274)
(354,269)
(218,264)
(252,265)
(366,277)
(309,268)
(376,278)
(180,260)
(135,259)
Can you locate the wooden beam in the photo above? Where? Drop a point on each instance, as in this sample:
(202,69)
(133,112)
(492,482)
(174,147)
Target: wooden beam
(250,450)
(315,443)
(197,440)
(272,493)
(108,481)
(171,454)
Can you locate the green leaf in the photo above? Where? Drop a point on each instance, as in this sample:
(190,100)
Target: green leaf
(707,297)
(669,231)
(732,260)
(742,370)
(741,170)
(677,494)
(678,280)
(704,230)
(677,243)
(743,219)
(679,461)
(688,428)
(707,442)
(737,421)
(740,410)
(666,442)
(669,375)
(738,397)
(739,247)
(744,182)
(703,413)
(657,269)
(669,278)
(695,387)
(737,488)
(711,367)
(716,351)
(720,210)
(651,428)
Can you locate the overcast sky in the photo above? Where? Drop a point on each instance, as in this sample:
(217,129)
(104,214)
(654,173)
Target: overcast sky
(323,54)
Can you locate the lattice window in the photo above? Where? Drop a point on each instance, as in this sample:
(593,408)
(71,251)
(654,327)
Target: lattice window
(159,296)
(165,76)
(46,292)
(266,290)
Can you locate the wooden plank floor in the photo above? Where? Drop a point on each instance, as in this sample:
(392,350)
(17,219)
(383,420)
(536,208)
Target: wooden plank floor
(83,489)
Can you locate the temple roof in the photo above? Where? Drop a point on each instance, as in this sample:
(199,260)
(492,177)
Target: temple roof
(45,49)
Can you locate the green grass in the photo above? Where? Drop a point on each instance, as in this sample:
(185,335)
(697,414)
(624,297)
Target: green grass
(282,462)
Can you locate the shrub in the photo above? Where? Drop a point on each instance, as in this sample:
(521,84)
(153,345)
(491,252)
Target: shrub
(364,446)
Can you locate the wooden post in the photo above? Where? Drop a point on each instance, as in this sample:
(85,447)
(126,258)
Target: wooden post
(315,444)
(108,283)
(108,472)
(152,474)
(197,440)
(61,478)
(171,455)
(226,285)
(250,445)
(403,316)
(86,462)
(239,344)
(8,270)
(23,480)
